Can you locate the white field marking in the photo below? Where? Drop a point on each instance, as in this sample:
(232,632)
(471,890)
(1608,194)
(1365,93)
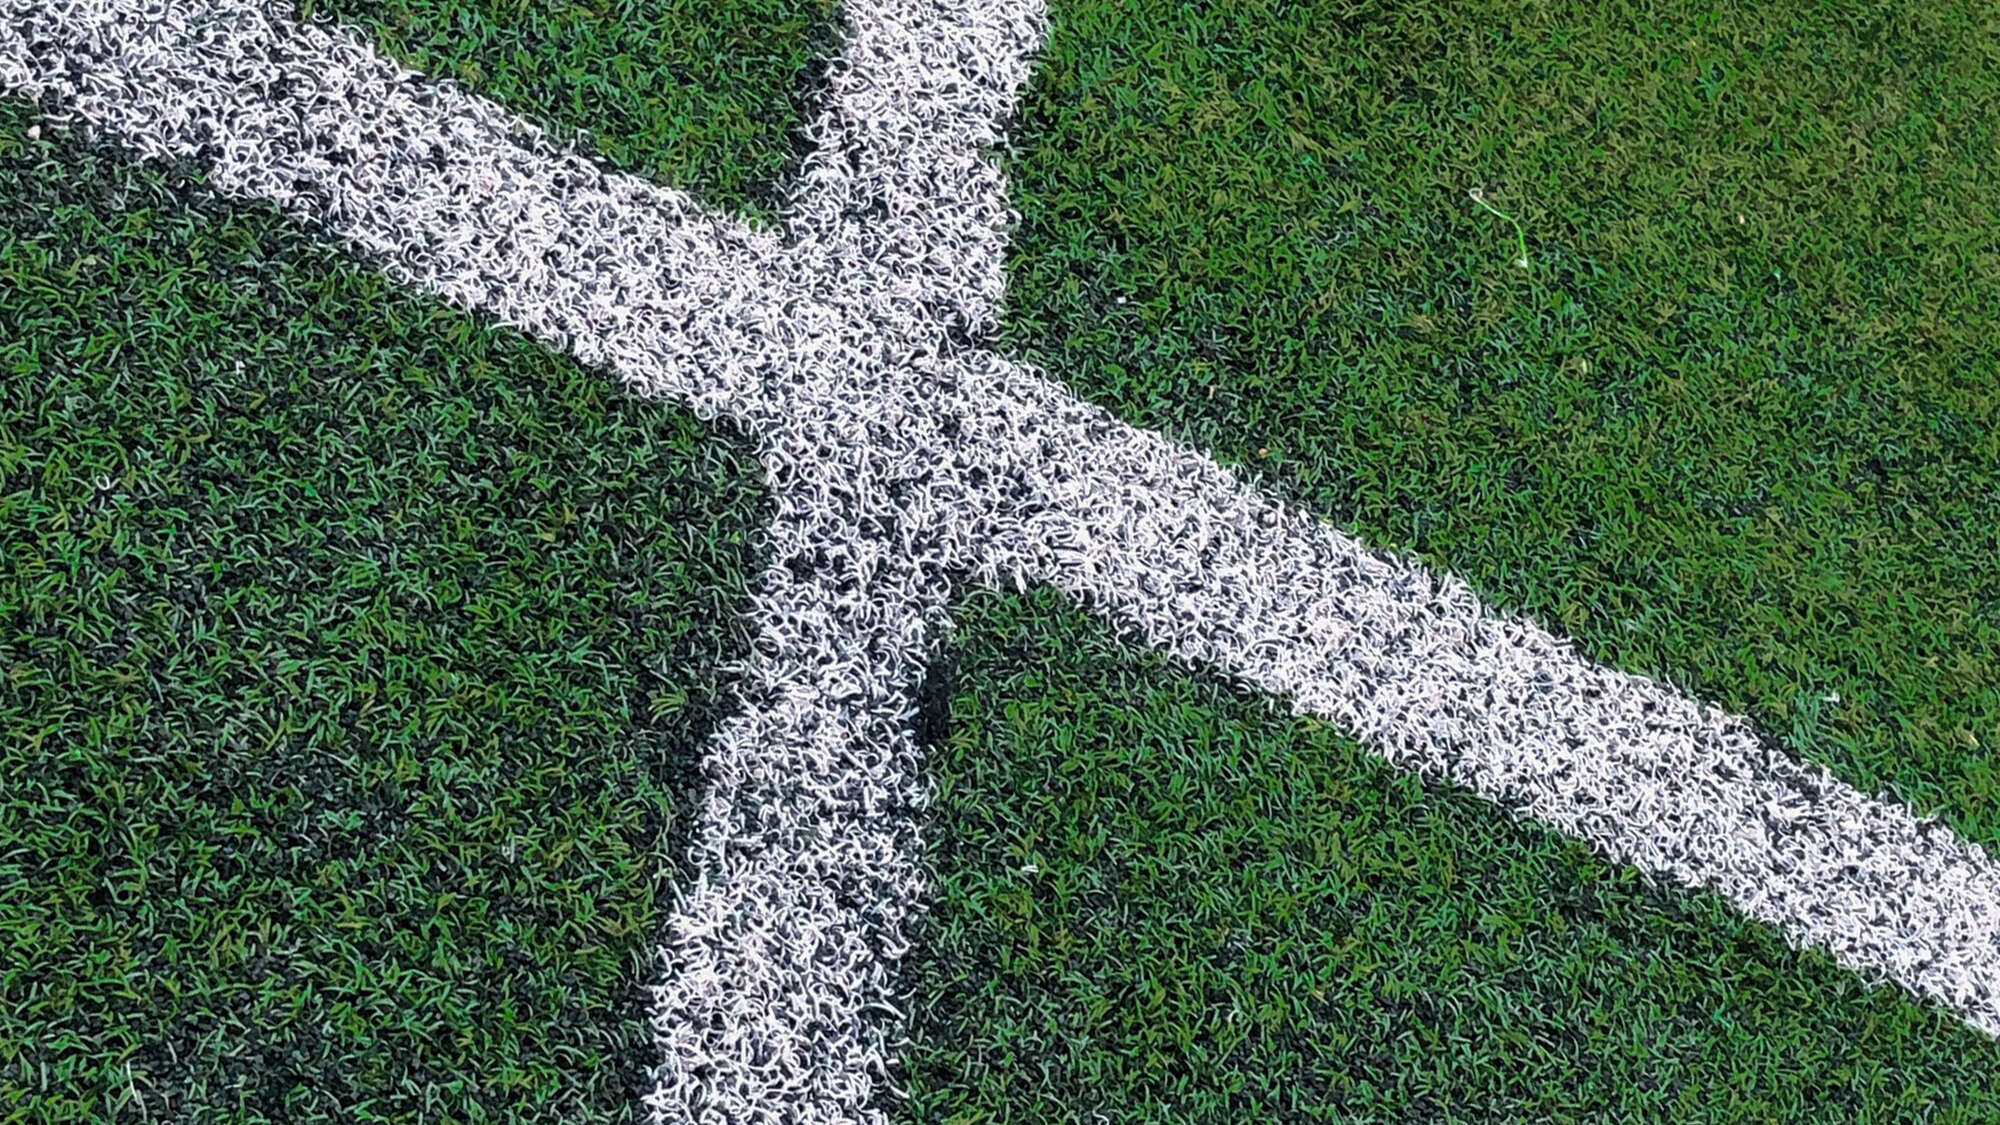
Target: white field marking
(780,992)
(443,190)
(780,997)
(1165,541)
(898,453)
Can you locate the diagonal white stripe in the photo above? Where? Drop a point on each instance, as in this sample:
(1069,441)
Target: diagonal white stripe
(898,456)
(445,190)
(780,991)
(1171,544)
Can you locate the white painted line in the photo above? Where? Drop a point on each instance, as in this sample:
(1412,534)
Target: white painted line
(921,89)
(444,190)
(898,454)
(780,956)
(1172,545)
(780,993)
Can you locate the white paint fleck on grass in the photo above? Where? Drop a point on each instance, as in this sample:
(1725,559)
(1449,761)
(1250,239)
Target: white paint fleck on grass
(900,453)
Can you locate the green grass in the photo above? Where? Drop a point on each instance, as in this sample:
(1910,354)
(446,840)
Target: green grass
(702,95)
(1736,425)
(1163,900)
(1761,458)
(348,693)
(352,655)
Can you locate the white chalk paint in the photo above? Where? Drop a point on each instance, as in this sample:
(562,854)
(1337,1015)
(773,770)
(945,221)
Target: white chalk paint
(900,453)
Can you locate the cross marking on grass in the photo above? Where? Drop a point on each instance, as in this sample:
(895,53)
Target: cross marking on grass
(906,457)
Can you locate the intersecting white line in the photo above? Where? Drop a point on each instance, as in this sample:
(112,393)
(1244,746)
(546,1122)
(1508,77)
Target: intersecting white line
(900,453)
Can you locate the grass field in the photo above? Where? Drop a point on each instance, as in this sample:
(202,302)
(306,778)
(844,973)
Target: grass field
(1735,426)
(700,94)
(353,650)
(353,656)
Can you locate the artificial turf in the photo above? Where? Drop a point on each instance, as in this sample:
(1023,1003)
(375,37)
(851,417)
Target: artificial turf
(1163,900)
(704,95)
(1734,425)
(352,660)
(1737,424)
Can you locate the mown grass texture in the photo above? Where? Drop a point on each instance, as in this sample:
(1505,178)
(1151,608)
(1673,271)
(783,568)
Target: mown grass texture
(352,660)
(1734,425)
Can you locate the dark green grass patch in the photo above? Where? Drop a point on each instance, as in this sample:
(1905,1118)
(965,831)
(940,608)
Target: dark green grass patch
(351,658)
(344,691)
(1164,900)
(702,95)
(1738,424)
